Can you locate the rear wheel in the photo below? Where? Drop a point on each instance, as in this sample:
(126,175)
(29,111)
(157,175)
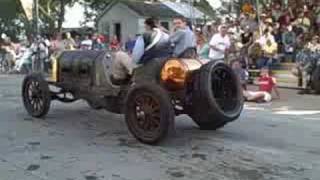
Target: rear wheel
(36,95)
(149,113)
(218,97)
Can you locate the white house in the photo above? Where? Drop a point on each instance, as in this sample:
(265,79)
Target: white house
(125,19)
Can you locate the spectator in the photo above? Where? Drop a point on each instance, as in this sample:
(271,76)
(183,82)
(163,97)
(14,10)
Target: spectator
(252,96)
(202,47)
(248,20)
(86,44)
(77,41)
(256,96)
(265,37)
(317,14)
(129,45)
(98,44)
(276,11)
(286,18)
(289,43)
(242,74)
(57,45)
(219,44)
(246,40)
(306,60)
(314,44)
(114,43)
(69,42)
(267,83)
(303,22)
(270,50)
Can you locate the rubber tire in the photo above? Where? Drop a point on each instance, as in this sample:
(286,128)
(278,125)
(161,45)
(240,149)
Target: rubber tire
(167,114)
(46,91)
(205,111)
(316,80)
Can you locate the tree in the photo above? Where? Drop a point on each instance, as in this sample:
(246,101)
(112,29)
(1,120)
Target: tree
(13,22)
(52,12)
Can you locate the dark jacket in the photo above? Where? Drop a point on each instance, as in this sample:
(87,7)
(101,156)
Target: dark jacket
(160,49)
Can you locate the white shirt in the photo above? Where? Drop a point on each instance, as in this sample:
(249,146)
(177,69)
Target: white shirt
(220,42)
(86,44)
(263,39)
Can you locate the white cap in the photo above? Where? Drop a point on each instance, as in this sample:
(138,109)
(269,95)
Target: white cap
(3,36)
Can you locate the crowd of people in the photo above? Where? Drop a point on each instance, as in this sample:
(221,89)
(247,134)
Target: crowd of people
(279,34)
(275,36)
(262,41)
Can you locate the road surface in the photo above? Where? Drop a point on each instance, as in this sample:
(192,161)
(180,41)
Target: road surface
(270,141)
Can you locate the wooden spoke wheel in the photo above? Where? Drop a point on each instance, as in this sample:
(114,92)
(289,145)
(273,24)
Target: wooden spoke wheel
(36,95)
(149,113)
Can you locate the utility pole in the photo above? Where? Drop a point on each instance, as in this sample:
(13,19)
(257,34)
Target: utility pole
(36,17)
(258,15)
(37,65)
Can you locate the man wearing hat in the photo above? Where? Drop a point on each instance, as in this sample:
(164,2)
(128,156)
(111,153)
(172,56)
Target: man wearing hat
(219,44)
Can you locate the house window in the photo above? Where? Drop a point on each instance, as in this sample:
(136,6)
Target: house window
(165,24)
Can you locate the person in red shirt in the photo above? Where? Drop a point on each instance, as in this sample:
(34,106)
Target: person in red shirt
(267,83)
(114,44)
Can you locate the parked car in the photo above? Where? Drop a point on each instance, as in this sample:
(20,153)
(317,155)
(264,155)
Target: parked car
(209,93)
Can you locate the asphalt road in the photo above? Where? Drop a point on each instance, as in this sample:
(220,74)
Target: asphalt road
(270,141)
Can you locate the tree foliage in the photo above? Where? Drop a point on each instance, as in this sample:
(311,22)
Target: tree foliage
(12,20)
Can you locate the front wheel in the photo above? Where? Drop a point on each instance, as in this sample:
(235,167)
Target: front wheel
(36,95)
(149,113)
(217,98)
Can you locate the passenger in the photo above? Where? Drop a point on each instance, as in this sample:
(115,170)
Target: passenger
(158,24)
(183,39)
(152,44)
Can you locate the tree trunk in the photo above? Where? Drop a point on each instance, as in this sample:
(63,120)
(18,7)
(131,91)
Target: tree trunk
(61,15)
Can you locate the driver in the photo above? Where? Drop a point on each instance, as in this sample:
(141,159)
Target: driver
(153,44)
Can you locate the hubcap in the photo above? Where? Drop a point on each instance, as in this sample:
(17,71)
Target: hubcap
(147,113)
(35,96)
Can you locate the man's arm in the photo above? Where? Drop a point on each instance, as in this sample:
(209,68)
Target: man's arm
(138,50)
(215,48)
(176,36)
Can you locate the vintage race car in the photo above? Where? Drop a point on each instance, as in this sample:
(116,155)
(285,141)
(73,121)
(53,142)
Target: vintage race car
(209,93)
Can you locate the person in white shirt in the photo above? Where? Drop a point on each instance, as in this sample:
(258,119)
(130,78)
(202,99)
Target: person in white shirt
(219,44)
(86,44)
(265,37)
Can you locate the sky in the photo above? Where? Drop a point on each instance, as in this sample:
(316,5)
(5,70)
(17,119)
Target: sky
(75,15)
(215,3)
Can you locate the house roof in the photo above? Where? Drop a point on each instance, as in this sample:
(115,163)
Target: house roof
(161,9)
(185,9)
(154,9)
